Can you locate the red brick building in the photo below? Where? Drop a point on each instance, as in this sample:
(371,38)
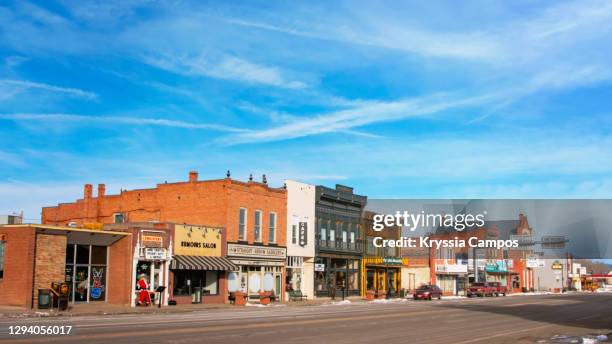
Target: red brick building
(93,262)
(252,213)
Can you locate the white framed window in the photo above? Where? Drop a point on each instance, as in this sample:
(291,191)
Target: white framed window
(332,235)
(323,234)
(118,218)
(352,237)
(242,222)
(272,228)
(257,225)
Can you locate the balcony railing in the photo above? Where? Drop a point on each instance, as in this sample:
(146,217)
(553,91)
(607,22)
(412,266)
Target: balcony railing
(337,245)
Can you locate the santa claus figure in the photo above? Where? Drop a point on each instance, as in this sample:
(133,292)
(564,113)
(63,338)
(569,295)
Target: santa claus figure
(143,286)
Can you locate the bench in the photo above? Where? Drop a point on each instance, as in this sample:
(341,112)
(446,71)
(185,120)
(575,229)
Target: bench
(296,295)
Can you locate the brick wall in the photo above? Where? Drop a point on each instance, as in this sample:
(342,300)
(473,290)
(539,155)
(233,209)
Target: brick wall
(50,262)
(213,203)
(119,274)
(16,285)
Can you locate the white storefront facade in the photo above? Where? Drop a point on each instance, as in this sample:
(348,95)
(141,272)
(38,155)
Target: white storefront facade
(300,238)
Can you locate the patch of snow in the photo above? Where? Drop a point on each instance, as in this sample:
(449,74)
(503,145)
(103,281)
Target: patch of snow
(338,303)
(453,297)
(248,304)
(388,300)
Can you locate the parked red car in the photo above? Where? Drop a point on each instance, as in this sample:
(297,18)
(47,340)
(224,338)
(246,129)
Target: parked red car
(428,292)
(500,289)
(480,290)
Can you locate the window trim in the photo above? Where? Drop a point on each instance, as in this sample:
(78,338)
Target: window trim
(272,230)
(244,225)
(115,215)
(260,238)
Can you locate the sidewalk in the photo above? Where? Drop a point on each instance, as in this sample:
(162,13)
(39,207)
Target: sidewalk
(108,309)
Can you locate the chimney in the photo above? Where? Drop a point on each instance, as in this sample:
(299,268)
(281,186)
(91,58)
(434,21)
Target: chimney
(87,191)
(101,190)
(193,176)
(264,179)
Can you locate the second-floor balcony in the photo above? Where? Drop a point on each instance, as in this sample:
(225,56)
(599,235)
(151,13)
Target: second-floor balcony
(339,245)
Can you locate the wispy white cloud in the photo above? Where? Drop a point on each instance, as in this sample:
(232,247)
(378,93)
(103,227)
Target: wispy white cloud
(227,68)
(25,84)
(96,120)
(363,114)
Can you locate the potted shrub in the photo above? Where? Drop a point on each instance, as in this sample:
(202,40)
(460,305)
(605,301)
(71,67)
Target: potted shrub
(370,295)
(240,298)
(264,297)
(382,294)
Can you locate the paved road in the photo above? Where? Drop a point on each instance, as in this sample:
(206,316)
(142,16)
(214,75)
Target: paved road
(513,319)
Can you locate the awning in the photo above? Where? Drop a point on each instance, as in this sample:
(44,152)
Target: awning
(202,263)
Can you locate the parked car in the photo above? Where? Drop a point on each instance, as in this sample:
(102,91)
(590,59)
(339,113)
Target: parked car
(480,289)
(500,289)
(428,292)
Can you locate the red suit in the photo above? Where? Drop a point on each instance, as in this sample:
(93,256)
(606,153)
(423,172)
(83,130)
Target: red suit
(145,298)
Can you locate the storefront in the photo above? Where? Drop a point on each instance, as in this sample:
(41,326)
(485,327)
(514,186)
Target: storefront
(152,260)
(337,276)
(198,267)
(88,260)
(260,269)
(382,274)
(451,278)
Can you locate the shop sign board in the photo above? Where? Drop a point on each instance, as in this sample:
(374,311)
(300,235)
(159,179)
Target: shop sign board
(498,266)
(303,233)
(452,268)
(556,265)
(319,267)
(197,241)
(392,261)
(251,251)
(155,253)
(151,240)
(535,263)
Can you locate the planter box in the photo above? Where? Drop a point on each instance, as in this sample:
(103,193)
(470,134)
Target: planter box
(240,298)
(370,295)
(382,294)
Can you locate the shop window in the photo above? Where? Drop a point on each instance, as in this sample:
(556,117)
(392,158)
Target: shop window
(294,234)
(70,254)
(1,259)
(233,283)
(257,225)
(82,254)
(323,234)
(98,255)
(332,235)
(272,229)
(212,282)
(344,237)
(242,224)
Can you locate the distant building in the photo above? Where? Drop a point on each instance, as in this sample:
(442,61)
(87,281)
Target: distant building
(12,219)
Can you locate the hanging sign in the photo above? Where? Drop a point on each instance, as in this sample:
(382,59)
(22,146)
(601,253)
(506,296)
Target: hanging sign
(303,234)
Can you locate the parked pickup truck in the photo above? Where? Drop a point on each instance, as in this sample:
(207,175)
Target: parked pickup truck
(500,289)
(480,290)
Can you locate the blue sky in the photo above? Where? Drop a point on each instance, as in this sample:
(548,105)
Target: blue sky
(478,99)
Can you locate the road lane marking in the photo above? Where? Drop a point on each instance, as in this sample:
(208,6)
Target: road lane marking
(503,334)
(215,328)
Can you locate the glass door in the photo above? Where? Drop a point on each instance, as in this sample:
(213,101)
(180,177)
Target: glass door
(81,288)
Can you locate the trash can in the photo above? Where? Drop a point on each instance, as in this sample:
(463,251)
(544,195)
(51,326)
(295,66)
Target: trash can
(44,298)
